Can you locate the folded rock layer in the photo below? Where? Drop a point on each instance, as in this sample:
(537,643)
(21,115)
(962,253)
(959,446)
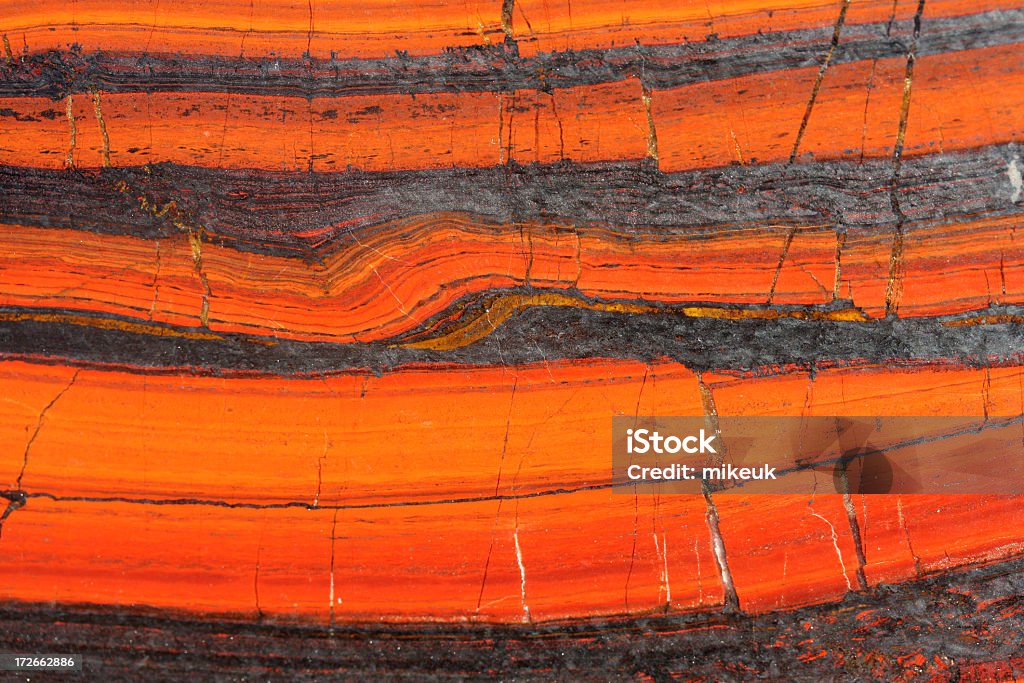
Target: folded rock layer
(315,316)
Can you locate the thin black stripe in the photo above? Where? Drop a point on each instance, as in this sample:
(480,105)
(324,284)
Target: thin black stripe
(499,68)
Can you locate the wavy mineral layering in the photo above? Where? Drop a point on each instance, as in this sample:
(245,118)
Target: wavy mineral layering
(314,318)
